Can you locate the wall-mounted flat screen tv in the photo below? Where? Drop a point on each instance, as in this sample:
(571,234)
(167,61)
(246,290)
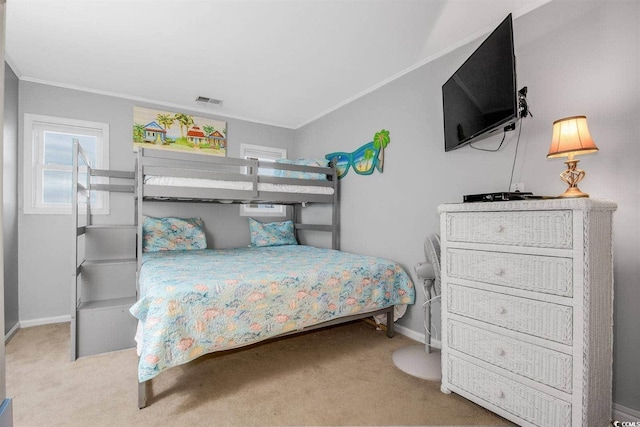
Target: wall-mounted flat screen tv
(481,96)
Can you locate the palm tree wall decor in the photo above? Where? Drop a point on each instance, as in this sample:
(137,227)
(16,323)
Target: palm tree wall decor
(380,141)
(175,128)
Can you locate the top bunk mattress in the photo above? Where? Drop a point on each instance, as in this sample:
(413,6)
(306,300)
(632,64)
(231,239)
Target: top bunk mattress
(171,181)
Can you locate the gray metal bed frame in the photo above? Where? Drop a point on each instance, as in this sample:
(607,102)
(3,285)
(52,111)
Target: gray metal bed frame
(188,165)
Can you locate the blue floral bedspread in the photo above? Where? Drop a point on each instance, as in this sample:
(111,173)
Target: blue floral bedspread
(200,301)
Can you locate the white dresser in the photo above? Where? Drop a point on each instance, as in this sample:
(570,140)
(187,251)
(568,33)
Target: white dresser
(527,309)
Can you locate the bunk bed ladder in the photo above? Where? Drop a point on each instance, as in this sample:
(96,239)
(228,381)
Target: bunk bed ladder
(334,227)
(335,217)
(104,264)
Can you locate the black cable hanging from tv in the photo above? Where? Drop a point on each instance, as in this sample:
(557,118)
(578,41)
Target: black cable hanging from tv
(504,135)
(523,111)
(515,155)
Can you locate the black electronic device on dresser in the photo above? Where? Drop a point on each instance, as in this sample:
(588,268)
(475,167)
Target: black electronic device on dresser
(501,196)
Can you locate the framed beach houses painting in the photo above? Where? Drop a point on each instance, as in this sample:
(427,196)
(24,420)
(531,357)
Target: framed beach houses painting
(178,132)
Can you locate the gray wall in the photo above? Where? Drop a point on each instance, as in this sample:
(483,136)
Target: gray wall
(45,239)
(575,58)
(10,199)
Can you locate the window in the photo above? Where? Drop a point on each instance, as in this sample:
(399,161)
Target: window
(258,152)
(48,161)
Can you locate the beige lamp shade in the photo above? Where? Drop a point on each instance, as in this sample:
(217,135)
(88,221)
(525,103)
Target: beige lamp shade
(571,136)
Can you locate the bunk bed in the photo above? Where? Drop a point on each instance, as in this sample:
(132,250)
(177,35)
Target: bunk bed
(194,302)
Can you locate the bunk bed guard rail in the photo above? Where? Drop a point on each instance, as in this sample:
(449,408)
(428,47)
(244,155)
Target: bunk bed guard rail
(189,177)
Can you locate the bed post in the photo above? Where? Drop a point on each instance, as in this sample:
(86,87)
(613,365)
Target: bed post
(390,316)
(142,394)
(139,216)
(142,386)
(295,218)
(335,207)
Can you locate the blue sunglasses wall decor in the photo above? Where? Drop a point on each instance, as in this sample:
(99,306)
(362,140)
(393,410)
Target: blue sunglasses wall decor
(365,159)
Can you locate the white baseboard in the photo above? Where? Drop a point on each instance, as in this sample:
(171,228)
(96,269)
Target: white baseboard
(622,413)
(35,322)
(416,336)
(44,321)
(403,330)
(436,344)
(12,332)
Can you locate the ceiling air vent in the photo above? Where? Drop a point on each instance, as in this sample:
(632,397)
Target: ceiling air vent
(206,100)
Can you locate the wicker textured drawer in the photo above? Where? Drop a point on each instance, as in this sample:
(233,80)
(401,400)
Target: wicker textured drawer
(550,275)
(532,405)
(542,319)
(544,229)
(534,362)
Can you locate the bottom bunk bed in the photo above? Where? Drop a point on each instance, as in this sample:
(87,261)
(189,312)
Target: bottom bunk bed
(195,302)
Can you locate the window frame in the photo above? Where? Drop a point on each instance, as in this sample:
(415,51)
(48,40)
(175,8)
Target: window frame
(35,125)
(250,151)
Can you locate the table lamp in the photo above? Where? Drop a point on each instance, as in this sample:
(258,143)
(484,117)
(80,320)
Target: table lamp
(570,137)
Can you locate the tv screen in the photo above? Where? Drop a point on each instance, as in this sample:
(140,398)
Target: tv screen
(481,96)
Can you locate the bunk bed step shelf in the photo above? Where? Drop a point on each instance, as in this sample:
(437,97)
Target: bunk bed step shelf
(110,242)
(105,325)
(108,279)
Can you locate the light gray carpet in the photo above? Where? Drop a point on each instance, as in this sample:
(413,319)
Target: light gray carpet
(337,376)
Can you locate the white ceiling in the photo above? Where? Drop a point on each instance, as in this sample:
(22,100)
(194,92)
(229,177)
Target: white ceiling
(284,63)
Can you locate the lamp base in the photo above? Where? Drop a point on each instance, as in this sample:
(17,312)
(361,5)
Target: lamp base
(573,192)
(572,176)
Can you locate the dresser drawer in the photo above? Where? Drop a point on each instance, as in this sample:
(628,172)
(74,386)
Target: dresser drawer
(544,229)
(550,275)
(522,401)
(542,319)
(534,362)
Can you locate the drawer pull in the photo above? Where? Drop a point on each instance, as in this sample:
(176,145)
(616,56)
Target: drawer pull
(501,310)
(499,272)
(499,228)
(501,352)
(499,394)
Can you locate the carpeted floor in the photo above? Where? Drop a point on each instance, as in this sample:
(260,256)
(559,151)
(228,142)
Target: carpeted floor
(332,377)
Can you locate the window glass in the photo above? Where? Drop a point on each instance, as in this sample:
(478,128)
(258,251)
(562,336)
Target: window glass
(58,151)
(56,186)
(268,154)
(48,162)
(57,147)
